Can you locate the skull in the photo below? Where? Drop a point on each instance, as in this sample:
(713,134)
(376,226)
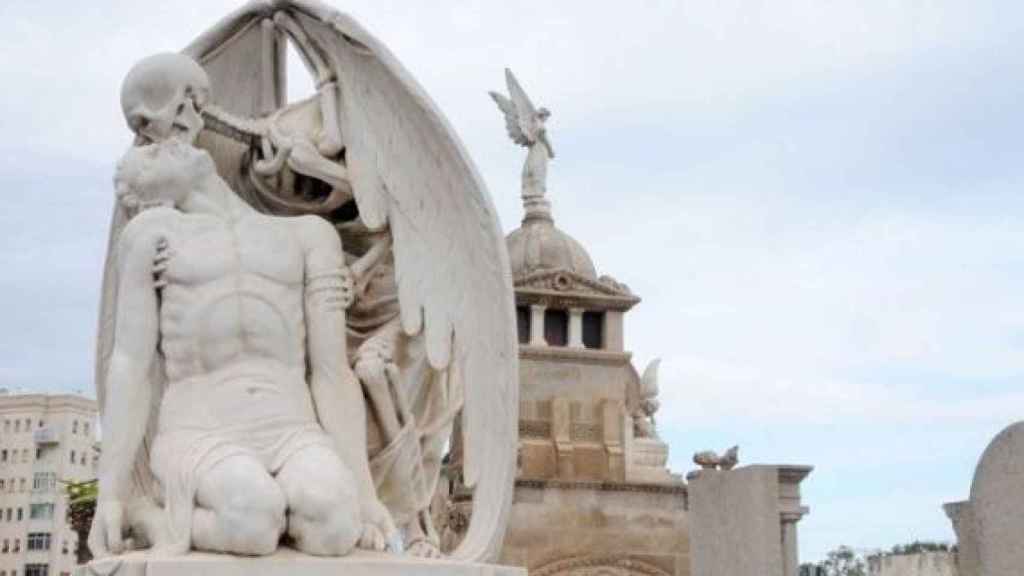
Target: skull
(162,98)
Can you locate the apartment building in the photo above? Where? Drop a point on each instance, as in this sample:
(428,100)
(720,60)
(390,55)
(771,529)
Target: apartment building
(44,439)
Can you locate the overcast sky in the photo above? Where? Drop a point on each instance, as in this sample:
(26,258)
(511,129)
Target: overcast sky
(819,203)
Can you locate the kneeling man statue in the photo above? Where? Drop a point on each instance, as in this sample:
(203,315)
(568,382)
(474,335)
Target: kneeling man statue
(299,300)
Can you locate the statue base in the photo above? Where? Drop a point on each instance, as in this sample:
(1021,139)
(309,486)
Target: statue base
(287,562)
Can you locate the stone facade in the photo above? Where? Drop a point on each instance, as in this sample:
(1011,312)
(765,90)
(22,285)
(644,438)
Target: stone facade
(593,494)
(744,520)
(44,439)
(922,564)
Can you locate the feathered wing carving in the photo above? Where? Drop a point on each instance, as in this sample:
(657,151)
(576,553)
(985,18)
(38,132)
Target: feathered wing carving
(527,112)
(649,381)
(512,125)
(410,173)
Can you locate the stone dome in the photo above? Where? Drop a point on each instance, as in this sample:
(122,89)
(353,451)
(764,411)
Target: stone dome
(539,245)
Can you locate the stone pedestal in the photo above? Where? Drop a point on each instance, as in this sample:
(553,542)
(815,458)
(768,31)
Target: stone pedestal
(287,562)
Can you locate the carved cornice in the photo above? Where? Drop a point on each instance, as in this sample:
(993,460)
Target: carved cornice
(567,289)
(552,483)
(592,564)
(581,355)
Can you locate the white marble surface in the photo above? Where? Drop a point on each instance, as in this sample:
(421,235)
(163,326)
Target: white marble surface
(287,562)
(232,410)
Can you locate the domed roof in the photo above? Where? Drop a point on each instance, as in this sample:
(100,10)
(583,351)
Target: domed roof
(539,245)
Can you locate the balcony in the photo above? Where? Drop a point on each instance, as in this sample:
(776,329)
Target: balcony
(46,436)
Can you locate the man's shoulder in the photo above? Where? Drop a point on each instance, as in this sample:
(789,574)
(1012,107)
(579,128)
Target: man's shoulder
(149,225)
(312,230)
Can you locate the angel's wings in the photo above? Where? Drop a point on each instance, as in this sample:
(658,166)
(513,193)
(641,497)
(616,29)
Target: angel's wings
(520,113)
(649,381)
(409,172)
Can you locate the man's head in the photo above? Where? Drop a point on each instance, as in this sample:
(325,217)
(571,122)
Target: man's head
(161,174)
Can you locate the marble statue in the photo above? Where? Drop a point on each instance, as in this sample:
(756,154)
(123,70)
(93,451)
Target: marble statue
(646,404)
(299,301)
(525,125)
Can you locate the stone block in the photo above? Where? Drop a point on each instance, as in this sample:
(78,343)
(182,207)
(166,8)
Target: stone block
(743,521)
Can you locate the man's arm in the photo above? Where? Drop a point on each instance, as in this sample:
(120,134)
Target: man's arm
(129,393)
(336,390)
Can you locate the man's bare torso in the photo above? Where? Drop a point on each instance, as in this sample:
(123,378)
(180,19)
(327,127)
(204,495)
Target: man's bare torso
(232,318)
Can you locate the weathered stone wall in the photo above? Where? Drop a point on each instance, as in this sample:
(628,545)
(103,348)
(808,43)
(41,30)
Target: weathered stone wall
(736,525)
(603,528)
(922,564)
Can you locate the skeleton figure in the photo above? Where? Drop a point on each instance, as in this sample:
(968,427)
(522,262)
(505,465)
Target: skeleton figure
(163,96)
(525,125)
(430,331)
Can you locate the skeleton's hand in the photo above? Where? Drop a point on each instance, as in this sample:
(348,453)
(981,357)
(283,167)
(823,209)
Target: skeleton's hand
(164,253)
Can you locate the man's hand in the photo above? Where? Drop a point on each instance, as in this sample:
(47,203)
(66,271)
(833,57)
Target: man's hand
(379,532)
(106,535)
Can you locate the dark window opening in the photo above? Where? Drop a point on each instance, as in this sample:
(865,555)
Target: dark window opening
(523,323)
(556,327)
(593,329)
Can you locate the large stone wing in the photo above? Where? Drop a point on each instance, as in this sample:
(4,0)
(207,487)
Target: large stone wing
(410,173)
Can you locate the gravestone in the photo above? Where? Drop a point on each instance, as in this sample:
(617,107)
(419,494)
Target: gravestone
(997,504)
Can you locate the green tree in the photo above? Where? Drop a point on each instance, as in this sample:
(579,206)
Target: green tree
(81,506)
(843,561)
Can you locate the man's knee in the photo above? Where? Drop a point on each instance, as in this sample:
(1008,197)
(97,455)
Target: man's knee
(333,533)
(254,515)
(325,515)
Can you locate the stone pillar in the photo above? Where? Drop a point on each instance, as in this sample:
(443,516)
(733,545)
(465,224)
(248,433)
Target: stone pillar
(537,325)
(960,515)
(613,331)
(575,327)
(561,431)
(612,425)
(790,548)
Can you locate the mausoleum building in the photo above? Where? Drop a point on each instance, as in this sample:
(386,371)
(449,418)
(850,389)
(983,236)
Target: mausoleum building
(593,494)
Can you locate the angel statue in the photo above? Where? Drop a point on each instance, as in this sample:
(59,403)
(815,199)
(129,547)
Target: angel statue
(525,125)
(299,300)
